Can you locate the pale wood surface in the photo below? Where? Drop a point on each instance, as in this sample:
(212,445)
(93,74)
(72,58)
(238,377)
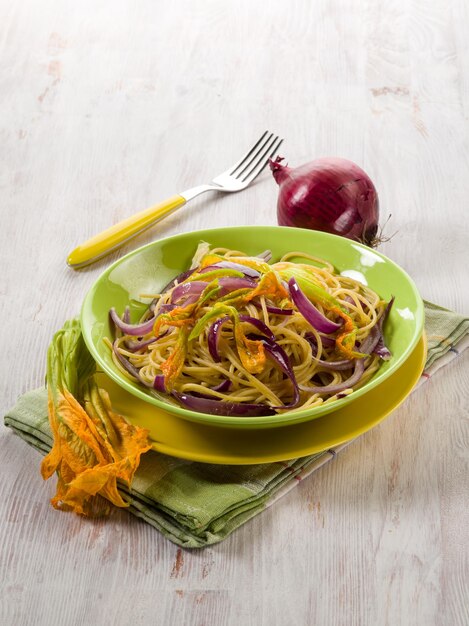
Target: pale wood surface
(107,107)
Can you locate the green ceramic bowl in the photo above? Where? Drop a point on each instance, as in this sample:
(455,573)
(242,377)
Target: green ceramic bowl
(149,268)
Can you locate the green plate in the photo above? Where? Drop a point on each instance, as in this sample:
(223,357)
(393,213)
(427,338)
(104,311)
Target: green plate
(149,268)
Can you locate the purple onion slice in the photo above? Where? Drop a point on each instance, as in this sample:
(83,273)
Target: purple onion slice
(336,366)
(213,338)
(229,284)
(213,335)
(265,256)
(309,311)
(159,383)
(273,309)
(135,346)
(164,308)
(280,358)
(187,289)
(127,365)
(260,325)
(381,349)
(137,330)
(343,364)
(327,341)
(359,368)
(225,385)
(229,265)
(216,407)
(367,347)
(178,279)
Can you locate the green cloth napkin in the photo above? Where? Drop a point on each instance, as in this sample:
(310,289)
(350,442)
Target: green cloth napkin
(197,504)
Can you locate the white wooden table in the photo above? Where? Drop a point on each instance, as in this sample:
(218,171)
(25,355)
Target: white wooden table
(107,107)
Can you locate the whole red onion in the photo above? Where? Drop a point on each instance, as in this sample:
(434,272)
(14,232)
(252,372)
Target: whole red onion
(329,194)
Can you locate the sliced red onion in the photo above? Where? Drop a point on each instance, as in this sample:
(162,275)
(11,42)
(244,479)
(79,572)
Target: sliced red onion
(127,365)
(221,388)
(159,383)
(369,344)
(166,308)
(273,309)
(326,341)
(159,380)
(225,385)
(229,265)
(217,407)
(229,284)
(346,384)
(213,335)
(137,330)
(381,349)
(276,311)
(309,311)
(190,300)
(336,366)
(179,279)
(280,358)
(259,324)
(343,364)
(367,347)
(126,315)
(213,338)
(187,289)
(135,346)
(265,256)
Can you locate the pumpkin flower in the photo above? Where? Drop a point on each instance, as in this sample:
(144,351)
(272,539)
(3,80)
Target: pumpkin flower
(93,447)
(173,365)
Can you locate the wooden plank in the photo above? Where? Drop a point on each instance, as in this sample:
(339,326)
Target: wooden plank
(105,109)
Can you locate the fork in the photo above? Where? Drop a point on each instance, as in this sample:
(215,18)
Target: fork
(235,178)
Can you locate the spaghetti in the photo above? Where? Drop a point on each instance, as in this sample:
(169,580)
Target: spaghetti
(237,335)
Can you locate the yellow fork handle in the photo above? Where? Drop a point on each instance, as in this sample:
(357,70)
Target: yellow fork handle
(110,239)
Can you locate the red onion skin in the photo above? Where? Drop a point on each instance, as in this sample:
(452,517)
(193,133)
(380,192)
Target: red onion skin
(329,194)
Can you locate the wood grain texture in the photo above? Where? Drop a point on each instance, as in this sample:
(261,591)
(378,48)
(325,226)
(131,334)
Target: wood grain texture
(108,107)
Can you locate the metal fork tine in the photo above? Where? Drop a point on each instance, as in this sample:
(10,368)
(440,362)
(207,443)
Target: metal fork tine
(262,163)
(233,169)
(262,156)
(257,156)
